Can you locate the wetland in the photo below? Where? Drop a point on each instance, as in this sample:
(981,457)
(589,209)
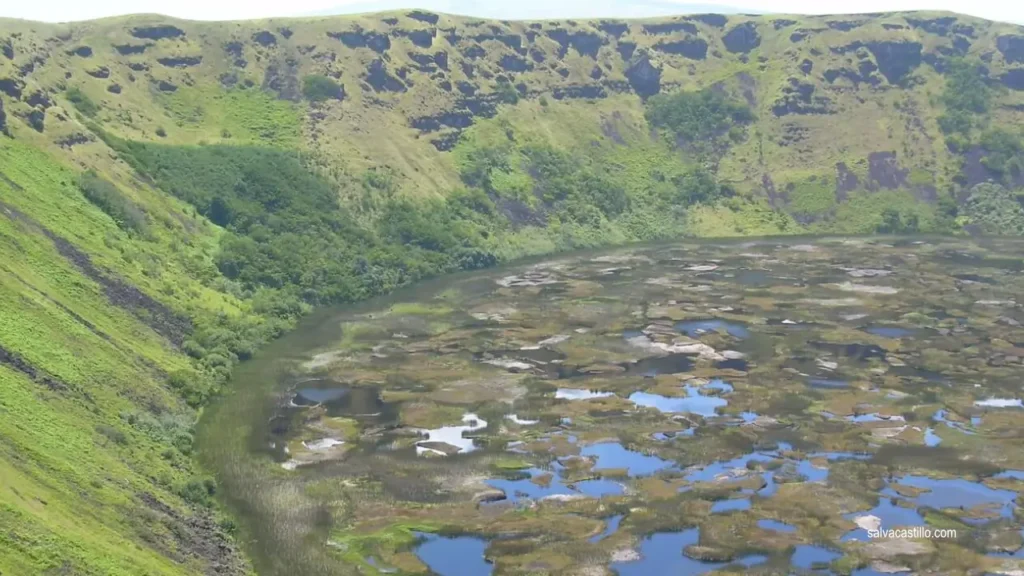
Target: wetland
(686,408)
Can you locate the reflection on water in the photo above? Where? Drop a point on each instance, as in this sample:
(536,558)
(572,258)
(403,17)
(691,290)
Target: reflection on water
(548,352)
(613,456)
(697,328)
(454,556)
(662,553)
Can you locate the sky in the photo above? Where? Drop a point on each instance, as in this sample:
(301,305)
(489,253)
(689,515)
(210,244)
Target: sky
(70,10)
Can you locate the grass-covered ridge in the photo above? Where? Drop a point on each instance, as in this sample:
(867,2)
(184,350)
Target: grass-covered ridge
(175,194)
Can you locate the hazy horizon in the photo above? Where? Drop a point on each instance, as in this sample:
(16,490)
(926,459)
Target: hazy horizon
(75,10)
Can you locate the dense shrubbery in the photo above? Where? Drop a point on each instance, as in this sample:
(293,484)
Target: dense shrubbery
(967,99)
(894,222)
(699,119)
(288,233)
(1005,153)
(82,103)
(105,196)
(317,88)
(993,209)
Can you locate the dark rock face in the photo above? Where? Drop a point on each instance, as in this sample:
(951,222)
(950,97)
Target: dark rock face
(264,38)
(884,171)
(537,55)
(74,139)
(36,118)
(593,91)
(782,23)
(228,80)
(474,52)
(466,88)
(845,25)
(233,48)
(157,32)
(846,181)
(127,49)
(616,29)
(644,77)
(626,50)
(941,26)
(138,66)
(378,77)
(422,16)
(513,63)
(7,49)
(421,38)
(961,45)
(283,79)
(692,48)
(81,51)
(114,88)
(742,38)
(806,66)
(798,98)
(866,68)
(933,60)
(513,41)
(101,72)
(894,26)
(596,73)
(181,62)
(585,43)
(457,120)
(3,119)
(798,36)
(12,87)
(286,32)
(670,28)
(716,20)
(441,59)
(447,142)
(1014,78)
(832,75)
(896,59)
(1012,48)
(424,62)
(39,99)
(375,41)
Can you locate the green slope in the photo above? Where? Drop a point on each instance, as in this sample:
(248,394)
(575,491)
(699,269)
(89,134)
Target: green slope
(175,194)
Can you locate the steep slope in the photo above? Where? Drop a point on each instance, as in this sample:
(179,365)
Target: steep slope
(176,193)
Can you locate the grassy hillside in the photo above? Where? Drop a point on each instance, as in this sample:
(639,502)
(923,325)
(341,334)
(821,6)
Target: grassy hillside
(174,194)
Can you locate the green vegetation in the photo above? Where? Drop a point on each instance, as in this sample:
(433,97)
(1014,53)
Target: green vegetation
(699,119)
(317,88)
(967,99)
(289,235)
(105,196)
(222,202)
(1005,153)
(995,210)
(81,102)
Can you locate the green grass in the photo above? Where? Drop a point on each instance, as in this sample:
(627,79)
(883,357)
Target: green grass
(72,479)
(372,205)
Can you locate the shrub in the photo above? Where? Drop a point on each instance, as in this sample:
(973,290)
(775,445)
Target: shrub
(105,196)
(82,102)
(994,210)
(967,98)
(317,88)
(699,118)
(506,92)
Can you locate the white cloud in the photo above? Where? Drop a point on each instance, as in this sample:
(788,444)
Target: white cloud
(64,10)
